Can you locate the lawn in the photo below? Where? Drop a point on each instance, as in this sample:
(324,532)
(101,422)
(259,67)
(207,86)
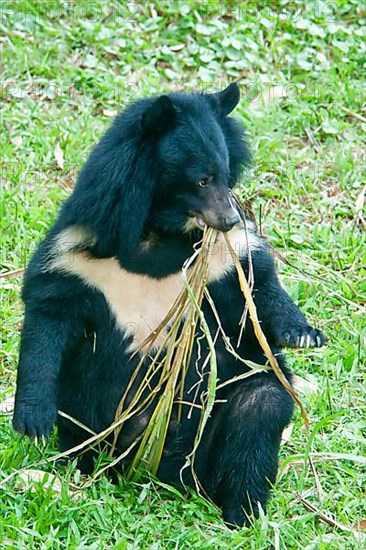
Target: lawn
(68,67)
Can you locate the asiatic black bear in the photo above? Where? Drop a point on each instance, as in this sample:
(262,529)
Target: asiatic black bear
(108,272)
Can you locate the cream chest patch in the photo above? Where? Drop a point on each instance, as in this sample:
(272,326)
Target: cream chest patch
(138,302)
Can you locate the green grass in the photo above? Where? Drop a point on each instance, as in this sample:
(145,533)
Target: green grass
(66,67)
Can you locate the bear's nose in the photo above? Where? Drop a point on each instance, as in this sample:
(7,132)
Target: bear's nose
(228,222)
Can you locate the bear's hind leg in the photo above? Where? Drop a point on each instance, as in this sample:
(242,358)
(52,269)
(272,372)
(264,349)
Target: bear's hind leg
(238,457)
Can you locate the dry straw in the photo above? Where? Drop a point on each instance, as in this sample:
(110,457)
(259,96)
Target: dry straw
(162,385)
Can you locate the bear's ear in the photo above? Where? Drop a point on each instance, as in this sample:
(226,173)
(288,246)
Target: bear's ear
(159,116)
(228,98)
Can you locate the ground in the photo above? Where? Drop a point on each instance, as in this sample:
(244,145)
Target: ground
(68,67)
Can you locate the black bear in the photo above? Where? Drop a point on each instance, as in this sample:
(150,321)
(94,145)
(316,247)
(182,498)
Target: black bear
(108,272)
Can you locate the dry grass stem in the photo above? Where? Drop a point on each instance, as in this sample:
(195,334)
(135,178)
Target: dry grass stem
(261,336)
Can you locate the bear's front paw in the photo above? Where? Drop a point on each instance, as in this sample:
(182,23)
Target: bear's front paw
(302,337)
(34,420)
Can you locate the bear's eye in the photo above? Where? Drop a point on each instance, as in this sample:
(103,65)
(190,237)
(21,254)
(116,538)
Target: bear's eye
(204,182)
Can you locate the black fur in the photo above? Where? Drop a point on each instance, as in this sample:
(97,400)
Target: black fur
(163,162)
